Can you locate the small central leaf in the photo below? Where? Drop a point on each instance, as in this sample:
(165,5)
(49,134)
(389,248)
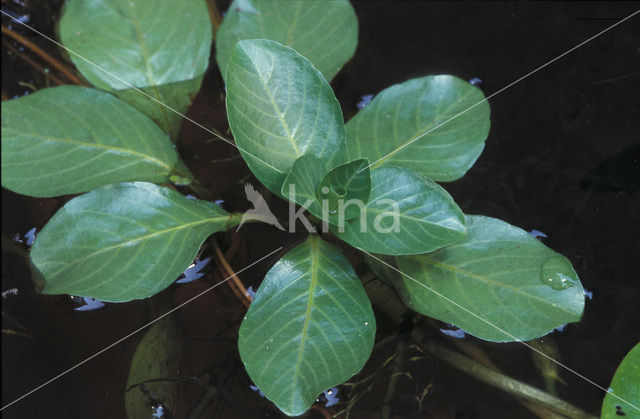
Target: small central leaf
(345,190)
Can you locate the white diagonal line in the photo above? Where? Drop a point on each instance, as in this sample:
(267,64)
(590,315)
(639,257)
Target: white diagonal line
(140,91)
(137,330)
(501,330)
(501,90)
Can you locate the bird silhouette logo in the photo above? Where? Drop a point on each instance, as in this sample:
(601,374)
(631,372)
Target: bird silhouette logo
(260,209)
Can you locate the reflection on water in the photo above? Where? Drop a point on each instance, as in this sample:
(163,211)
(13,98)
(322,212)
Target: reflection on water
(28,238)
(455,332)
(193,272)
(364,101)
(90,304)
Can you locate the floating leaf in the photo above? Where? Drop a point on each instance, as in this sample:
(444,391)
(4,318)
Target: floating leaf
(326,32)
(124,241)
(145,43)
(178,96)
(344,184)
(626,386)
(280,108)
(398,128)
(516,287)
(156,357)
(71,139)
(310,327)
(406,214)
(139,42)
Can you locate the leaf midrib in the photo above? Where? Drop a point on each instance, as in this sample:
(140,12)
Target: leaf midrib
(94,145)
(279,115)
(315,256)
(78,262)
(147,65)
(488,281)
(428,129)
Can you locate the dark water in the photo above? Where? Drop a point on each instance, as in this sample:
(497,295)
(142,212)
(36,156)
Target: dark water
(563,157)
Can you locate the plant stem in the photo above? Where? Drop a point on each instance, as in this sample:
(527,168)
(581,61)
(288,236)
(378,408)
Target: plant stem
(215,16)
(32,63)
(393,380)
(505,383)
(236,284)
(199,190)
(204,402)
(45,56)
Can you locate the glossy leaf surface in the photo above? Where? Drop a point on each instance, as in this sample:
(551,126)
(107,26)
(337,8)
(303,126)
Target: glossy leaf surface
(124,241)
(177,96)
(279,109)
(407,213)
(403,117)
(347,182)
(145,43)
(518,286)
(326,32)
(310,327)
(302,182)
(157,356)
(626,385)
(71,139)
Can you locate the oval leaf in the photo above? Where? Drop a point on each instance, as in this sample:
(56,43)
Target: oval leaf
(71,139)
(326,32)
(625,385)
(407,213)
(157,357)
(347,182)
(124,241)
(398,128)
(280,108)
(505,277)
(310,327)
(138,41)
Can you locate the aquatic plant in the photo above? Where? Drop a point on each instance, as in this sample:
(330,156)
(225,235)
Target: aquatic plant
(370,182)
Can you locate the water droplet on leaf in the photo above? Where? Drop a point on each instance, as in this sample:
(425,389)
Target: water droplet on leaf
(556,272)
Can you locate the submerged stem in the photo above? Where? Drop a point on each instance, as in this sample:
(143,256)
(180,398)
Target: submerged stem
(508,384)
(42,54)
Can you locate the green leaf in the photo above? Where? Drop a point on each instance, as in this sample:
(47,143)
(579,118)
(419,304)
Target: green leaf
(516,287)
(156,357)
(145,43)
(302,182)
(326,32)
(71,139)
(407,213)
(347,182)
(280,108)
(124,241)
(310,327)
(178,96)
(626,386)
(402,120)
